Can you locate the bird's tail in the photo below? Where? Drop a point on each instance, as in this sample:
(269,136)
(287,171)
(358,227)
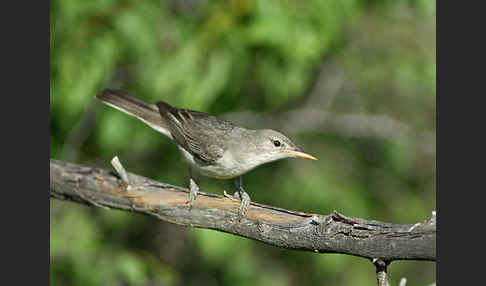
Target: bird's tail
(133,106)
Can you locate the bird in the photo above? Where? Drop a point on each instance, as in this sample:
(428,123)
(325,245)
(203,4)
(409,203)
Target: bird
(213,146)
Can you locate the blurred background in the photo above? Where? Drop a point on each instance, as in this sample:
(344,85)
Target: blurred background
(352,81)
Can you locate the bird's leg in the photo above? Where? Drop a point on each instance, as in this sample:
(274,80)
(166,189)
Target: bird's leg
(243,196)
(193,189)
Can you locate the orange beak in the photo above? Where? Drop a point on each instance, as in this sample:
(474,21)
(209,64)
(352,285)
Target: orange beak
(300,154)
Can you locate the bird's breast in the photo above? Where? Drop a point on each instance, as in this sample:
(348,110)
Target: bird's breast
(226,167)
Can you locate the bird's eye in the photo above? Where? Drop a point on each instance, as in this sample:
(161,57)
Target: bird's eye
(276,143)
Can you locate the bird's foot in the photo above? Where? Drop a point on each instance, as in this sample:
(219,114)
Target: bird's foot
(193,190)
(245,202)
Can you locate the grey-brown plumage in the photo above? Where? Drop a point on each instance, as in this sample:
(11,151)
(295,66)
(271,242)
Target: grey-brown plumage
(195,131)
(131,105)
(213,146)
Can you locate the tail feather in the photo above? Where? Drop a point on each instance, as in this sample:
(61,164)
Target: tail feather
(133,106)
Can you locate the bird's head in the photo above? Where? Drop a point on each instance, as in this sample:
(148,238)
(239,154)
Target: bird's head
(273,145)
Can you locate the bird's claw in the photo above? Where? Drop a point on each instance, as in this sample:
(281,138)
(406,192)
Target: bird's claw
(245,202)
(193,190)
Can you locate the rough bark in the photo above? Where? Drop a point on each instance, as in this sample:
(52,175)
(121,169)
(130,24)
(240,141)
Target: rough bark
(333,233)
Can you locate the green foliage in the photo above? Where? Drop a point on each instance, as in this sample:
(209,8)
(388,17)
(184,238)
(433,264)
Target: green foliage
(241,55)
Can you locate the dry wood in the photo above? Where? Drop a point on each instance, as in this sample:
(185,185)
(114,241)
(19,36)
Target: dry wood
(333,233)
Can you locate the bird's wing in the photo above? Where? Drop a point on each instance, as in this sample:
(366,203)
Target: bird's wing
(196,131)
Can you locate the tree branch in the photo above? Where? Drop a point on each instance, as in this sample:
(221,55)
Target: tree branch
(348,125)
(333,233)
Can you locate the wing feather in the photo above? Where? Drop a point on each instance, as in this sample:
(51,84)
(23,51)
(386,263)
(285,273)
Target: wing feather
(195,131)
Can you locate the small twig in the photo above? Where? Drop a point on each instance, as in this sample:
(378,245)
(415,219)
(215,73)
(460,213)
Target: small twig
(115,162)
(346,219)
(381,276)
